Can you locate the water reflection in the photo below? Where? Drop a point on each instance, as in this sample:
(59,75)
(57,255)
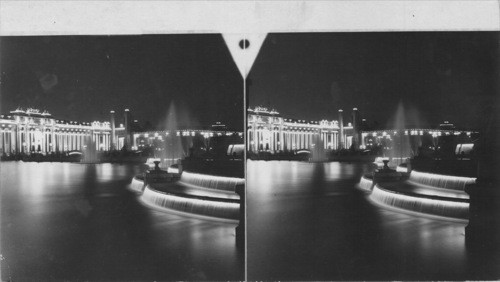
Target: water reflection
(307,222)
(79,222)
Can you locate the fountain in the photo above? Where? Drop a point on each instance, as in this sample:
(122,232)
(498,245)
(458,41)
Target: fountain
(411,191)
(137,184)
(152,176)
(172,189)
(177,143)
(422,204)
(385,174)
(441,181)
(318,151)
(90,152)
(226,209)
(198,194)
(366,183)
(401,146)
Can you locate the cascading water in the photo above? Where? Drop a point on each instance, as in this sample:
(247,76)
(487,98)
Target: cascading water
(366,184)
(137,184)
(446,207)
(318,151)
(227,184)
(222,209)
(440,181)
(89,152)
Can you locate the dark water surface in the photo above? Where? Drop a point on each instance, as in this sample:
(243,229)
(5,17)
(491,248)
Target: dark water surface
(308,222)
(79,222)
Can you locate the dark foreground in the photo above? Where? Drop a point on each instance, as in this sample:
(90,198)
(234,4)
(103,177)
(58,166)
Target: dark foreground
(308,222)
(79,222)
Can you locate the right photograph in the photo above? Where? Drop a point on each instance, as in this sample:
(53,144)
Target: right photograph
(373,156)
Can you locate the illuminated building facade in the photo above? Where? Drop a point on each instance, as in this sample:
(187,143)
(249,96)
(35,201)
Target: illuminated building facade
(33,131)
(389,137)
(268,131)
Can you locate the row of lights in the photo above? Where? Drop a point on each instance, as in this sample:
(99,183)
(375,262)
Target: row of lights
(189,133)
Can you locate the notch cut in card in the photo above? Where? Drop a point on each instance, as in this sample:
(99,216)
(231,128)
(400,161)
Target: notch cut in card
(244,49)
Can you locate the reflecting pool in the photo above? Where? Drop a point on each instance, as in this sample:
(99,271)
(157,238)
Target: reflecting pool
(306,221)
(80,222)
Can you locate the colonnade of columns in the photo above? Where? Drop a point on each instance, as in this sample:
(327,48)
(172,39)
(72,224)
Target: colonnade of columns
(264,139)
(49,140)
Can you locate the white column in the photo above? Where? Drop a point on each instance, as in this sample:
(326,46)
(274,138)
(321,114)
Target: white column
(44,141)
(10,140)
(293,143)
(53,140)
(18,140)
(2,149)
(257,141)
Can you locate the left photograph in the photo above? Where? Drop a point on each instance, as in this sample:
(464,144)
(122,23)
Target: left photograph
(121,158)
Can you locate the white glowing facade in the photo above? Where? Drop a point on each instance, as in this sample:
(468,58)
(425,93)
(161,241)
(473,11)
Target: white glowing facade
(33,131)
(268,131)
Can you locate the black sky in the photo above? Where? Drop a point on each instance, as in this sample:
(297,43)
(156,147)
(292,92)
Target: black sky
(436,75)
(84,77)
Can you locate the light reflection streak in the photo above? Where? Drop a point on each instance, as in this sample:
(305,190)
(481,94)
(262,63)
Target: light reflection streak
(43,216)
